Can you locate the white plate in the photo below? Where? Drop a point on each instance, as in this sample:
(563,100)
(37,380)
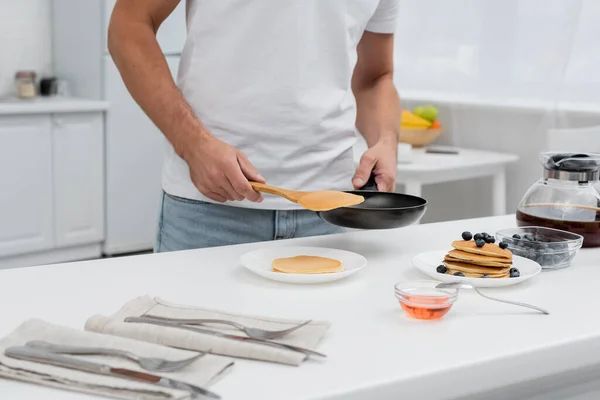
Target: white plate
(428,262)
(259,262)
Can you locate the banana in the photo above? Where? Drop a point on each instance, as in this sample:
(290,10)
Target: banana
(413,121)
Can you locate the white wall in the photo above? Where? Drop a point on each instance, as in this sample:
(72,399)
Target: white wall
(25,39)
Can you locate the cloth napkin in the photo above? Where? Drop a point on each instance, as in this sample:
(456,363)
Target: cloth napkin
(306,337)
(203,372)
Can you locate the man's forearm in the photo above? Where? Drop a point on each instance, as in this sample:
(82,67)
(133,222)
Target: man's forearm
(378,110)
(143,67)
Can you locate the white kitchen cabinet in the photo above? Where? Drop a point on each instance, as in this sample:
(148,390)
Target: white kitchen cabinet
(78,152)
(25,184)
(51,181)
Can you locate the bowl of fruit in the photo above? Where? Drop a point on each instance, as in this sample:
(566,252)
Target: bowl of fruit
(420,127)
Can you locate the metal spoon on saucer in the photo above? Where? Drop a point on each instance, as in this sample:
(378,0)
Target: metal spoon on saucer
(466,285)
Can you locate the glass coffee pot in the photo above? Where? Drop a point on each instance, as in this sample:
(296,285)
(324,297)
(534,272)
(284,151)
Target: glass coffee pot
(567,197)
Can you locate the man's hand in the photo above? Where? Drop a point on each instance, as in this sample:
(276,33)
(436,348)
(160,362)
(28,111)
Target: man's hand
(221,172)
(381,159)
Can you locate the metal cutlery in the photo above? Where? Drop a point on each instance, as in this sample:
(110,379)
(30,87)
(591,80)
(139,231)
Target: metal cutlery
(148,363)
(45,357)
(252,332)
(155,321)
(466,285)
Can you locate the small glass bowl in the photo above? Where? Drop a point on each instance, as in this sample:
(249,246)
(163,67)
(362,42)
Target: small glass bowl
(422,300)
(551,248)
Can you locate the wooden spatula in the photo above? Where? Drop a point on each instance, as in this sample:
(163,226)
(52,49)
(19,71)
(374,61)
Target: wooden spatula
(321,200)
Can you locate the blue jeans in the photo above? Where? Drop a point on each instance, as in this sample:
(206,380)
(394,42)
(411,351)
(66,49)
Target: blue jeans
(190,224)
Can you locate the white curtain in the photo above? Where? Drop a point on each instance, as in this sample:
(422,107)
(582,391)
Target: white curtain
(528,49)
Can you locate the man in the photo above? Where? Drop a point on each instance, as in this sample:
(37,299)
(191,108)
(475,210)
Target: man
(268,90)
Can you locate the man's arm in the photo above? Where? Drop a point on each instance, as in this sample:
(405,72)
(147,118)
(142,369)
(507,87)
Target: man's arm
(378,114)
(219,171)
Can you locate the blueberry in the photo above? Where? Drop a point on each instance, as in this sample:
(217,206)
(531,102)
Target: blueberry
(485,276)
(467,235)
(528,236)
(485,234)
(489,239)
(480,242)
(516,236)
(503,245)
(557,246)
(441,269)
(520,252)
(458,274)
(478,236)
(514,273)
(546,260)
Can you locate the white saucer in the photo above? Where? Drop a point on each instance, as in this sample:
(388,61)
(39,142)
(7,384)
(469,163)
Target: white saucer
(259,262)
(428,263)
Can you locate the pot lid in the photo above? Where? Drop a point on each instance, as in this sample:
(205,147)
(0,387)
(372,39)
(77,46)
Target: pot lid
(571,166)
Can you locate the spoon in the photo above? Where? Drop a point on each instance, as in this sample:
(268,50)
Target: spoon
(321,200)
(466,285)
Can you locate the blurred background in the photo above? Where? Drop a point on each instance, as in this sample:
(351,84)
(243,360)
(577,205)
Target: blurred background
(80,163)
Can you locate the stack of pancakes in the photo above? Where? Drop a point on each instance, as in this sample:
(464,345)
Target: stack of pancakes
(477,262)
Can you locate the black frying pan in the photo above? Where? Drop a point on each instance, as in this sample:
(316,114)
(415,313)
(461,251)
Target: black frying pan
(379,210)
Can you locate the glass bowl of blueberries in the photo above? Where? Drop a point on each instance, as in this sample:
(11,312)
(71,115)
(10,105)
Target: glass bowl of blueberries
(551,248)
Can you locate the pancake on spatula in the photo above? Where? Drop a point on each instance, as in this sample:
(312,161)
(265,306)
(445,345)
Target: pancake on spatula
(477,259)
(490,250)
(307,265)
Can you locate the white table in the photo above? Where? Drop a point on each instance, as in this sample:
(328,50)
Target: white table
(427,169)
(481,349)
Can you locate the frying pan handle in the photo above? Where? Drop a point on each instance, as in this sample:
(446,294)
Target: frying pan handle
(371,185)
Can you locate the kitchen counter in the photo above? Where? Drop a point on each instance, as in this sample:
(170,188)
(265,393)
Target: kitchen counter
(480,349)
(44,105)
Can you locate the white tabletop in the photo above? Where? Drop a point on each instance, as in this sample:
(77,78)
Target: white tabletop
(375,351)
(427,168)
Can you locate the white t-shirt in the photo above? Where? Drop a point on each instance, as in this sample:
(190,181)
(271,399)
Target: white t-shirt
(273,79)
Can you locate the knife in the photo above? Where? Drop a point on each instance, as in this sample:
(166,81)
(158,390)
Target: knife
(44,357)
(157,321)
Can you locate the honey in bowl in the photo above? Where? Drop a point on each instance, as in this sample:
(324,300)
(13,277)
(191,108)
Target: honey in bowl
(429,307)
(422,300)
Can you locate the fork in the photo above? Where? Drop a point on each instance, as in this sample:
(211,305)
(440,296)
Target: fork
(148,363)
(255,333)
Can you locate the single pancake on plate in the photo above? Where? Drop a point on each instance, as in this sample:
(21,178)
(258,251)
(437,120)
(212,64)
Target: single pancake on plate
(307,265)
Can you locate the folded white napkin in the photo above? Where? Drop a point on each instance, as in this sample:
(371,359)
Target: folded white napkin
(202,372)
(306,337)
